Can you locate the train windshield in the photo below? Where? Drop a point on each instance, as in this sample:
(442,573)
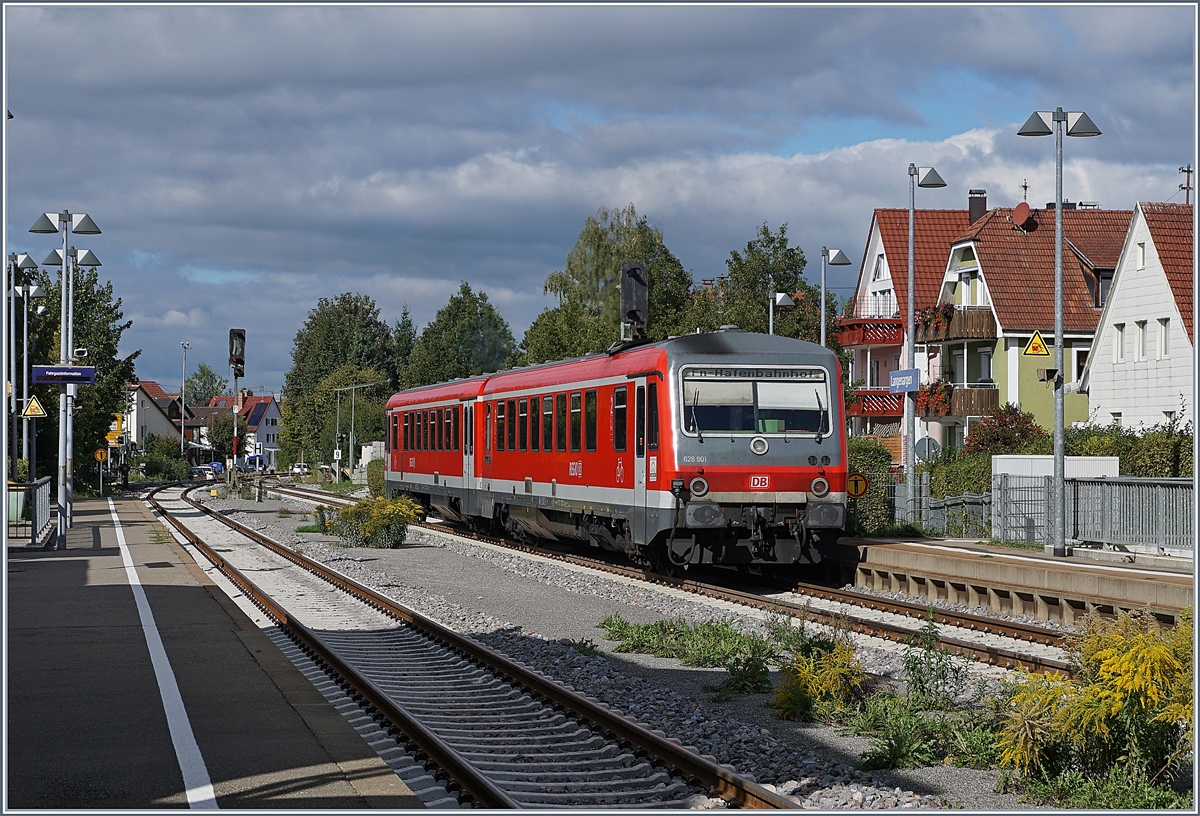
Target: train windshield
(766,401)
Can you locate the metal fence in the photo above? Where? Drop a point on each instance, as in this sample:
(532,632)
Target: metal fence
(29,518)
(1139,515)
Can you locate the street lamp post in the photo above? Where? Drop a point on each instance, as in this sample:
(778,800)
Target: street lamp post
(82,224)
(183,401)
(28,452)
(351,389)
(17,263)
(917,177)
(1039,124)
(832,257)
(776,299)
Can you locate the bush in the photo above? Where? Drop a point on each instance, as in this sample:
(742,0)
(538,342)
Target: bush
(869,514)
(1005,430)
(1127,711)
(379,523)
(375,477)
(955,475)
(158,467)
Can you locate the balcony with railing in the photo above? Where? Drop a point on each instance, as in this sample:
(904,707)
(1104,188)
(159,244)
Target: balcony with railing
(876,402)
(874,321)
(943,399)
(946,322)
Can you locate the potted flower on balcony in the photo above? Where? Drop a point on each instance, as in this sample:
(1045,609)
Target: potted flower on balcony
(934,399)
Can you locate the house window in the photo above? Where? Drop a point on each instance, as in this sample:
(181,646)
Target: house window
(1169,416)
(1139,351)
(1164,338)
(879,273)
(985,365)
(1116,418)
(1141,255)
(1104,284)
(1081,356)
(1119,343)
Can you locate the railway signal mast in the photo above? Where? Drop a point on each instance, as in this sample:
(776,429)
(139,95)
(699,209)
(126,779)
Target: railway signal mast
(634,300)
(237,365)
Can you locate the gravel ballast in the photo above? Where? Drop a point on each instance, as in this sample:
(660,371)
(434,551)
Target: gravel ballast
(533,610)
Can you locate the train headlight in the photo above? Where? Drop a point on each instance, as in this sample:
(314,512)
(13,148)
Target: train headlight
(699,486)
(758,446)
(819,488)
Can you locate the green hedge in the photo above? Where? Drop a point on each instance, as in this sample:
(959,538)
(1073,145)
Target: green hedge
(375,474)
(869,514)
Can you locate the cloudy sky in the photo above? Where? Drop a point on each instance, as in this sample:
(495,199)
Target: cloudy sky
(245,161)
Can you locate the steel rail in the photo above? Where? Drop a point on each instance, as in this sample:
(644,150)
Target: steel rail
(992,655)
(482,790)
(712,776)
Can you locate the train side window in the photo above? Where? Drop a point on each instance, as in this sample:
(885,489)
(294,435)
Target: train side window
(404,437)
(468,429)
(416,422)
(560,422)
(500,417)
(547,423)
(448,424)
(426,427)
(589,421)
(620,418)
(639,427)
(535,427)
(652,417)
(487,426)
(454,425)
(576,420)
(420,430)
(512,424)
(441,441)
(523,425)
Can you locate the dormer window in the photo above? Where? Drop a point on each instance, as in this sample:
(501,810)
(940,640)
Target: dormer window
(1104,283)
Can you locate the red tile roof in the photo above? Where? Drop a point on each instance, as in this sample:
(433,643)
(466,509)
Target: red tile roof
(1018,265)
(933,232)
(248,404)
(155,391)
(1171,228)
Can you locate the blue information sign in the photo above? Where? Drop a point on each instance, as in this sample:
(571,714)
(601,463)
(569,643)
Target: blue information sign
(901,382)
(82,375)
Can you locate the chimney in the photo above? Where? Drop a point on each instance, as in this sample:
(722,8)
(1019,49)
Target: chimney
(241,398)
(707,283)
(976,204)
(1067,205)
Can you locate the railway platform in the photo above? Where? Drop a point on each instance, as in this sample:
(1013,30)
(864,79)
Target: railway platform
(135,683)
(1018,582)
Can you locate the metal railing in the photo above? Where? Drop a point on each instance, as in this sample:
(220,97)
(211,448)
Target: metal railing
(29,517)
(1139,515)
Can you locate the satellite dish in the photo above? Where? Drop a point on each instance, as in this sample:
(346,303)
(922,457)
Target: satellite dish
(927,448)
(1021,214)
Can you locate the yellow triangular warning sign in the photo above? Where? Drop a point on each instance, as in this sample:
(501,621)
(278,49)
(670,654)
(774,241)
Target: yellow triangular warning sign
(1036,347)
(34,409)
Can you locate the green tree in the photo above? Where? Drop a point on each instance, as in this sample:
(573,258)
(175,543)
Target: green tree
(343,331)
(466,337)
(202,386)
(309,424)
(767,265)
(220,435)
(587,318)
(404,337)
(1005,430)
(99,326)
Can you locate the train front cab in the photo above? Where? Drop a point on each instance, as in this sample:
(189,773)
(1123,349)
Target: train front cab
(759,472)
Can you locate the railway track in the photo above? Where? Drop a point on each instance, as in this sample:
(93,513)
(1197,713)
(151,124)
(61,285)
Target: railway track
(494,732)
(1007,644)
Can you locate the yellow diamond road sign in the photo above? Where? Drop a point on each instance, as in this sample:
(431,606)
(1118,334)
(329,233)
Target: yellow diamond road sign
(34,409)
(1036,347)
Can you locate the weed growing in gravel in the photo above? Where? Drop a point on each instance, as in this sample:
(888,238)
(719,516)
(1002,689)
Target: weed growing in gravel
(1119,790)
(819,684)
(585,646)
(309,528)
(708,644)
(934,678)
(375,522)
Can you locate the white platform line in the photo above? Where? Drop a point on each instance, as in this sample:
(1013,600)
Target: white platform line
(196,781)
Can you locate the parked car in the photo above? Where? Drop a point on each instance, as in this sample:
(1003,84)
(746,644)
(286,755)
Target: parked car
(203,473)
(301,469)
(217,467)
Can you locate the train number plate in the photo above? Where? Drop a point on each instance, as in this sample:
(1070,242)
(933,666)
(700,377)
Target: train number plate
(760,482)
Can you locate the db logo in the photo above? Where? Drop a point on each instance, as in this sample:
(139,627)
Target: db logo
(760,482)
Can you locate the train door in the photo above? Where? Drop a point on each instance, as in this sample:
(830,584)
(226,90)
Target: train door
(639,464)
(468,455)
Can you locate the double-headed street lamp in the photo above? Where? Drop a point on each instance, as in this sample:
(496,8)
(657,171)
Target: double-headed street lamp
(81,224)
(832,257)
(780,299)
(183,401)
(917,177)
(1039,124)
(17,264)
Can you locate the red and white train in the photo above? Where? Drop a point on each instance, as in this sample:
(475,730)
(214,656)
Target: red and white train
(723,448)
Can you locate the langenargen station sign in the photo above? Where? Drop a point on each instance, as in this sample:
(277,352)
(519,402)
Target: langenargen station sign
(80,375)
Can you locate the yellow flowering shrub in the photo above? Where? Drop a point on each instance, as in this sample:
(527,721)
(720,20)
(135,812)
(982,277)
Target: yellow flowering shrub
(827,678)
(375,522)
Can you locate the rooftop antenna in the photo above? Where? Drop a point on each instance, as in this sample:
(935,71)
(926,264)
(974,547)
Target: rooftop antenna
(1025,189)
(1187,185)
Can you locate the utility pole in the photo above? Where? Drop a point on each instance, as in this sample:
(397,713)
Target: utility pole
(1187,184)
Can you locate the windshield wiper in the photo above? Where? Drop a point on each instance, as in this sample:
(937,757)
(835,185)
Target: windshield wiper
(695,424)
(820,417)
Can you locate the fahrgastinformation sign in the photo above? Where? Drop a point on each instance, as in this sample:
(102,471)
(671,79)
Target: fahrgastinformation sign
(81,375)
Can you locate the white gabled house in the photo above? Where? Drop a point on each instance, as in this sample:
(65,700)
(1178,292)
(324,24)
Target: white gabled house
(1140,370)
